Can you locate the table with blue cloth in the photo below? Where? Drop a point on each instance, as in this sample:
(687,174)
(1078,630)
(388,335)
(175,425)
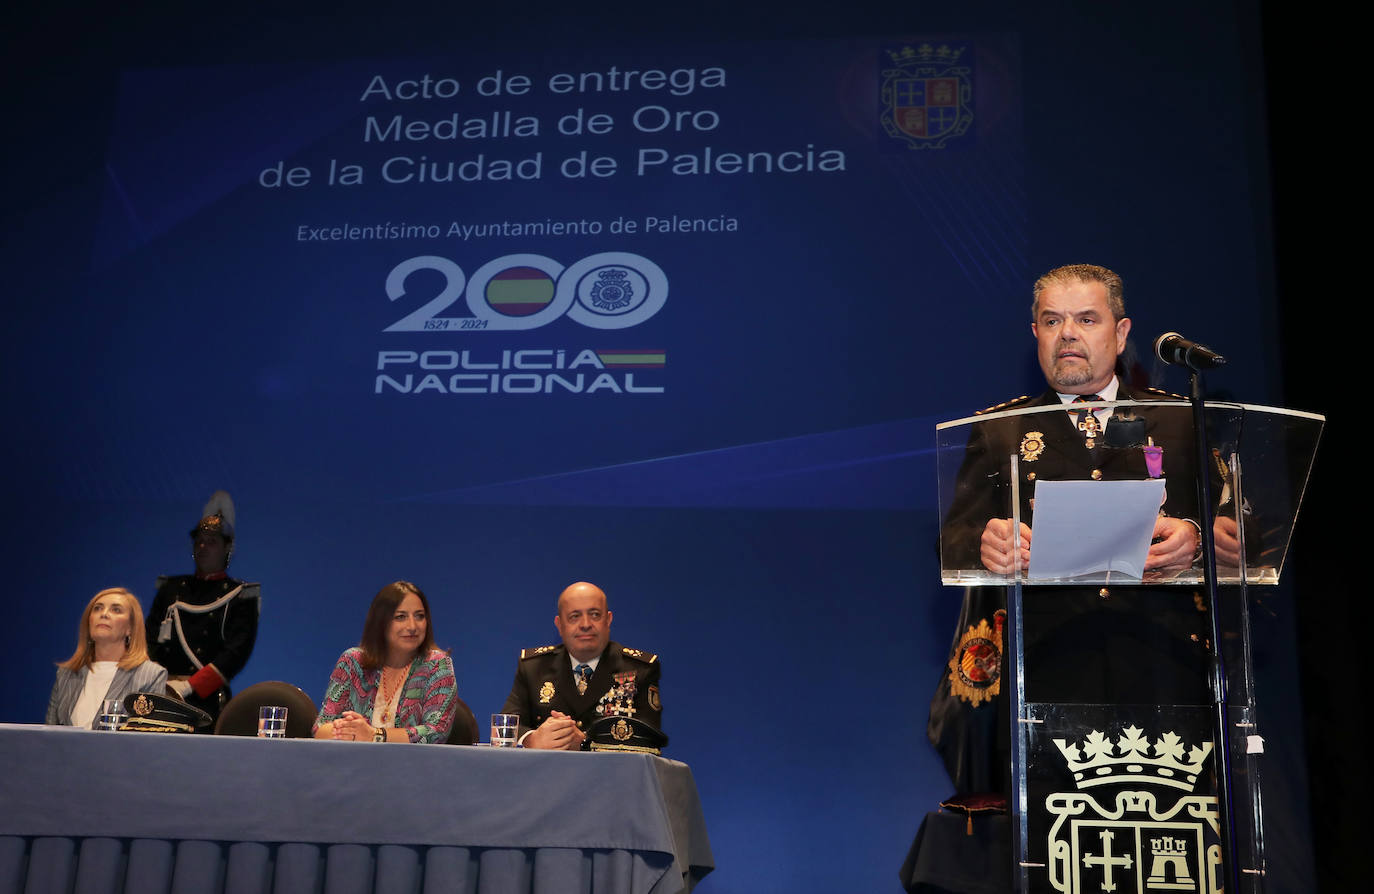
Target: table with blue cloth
(122,812)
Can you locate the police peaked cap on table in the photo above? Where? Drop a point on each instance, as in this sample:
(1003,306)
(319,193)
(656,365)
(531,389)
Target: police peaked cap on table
(152,713)
(614,733)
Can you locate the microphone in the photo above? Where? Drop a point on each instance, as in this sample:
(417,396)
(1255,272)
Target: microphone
(1179,351)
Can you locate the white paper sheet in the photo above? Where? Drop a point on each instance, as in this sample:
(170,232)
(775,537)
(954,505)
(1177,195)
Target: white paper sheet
(1086,527)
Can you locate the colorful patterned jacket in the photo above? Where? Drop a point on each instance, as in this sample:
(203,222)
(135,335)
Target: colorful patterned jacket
(428,697)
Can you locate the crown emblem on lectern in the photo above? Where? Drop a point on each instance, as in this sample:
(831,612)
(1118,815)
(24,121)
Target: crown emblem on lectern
(1134,759)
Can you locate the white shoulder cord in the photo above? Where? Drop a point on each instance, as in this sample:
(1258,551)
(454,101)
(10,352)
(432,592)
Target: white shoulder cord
(176,608)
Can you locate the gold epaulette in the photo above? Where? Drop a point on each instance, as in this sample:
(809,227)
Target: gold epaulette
(646,657)
(1009,405)
(1162,393)
(535,652)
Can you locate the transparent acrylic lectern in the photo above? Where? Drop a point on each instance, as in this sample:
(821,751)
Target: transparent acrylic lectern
(1113,790)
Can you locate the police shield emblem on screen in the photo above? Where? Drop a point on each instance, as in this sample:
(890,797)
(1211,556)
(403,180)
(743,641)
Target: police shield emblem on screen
(927,94)
(518,292)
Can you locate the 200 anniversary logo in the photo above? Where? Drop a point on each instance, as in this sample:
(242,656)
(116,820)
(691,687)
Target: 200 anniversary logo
(605,291)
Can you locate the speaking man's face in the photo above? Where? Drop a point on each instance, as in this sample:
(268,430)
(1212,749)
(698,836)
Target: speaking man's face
(1078,339)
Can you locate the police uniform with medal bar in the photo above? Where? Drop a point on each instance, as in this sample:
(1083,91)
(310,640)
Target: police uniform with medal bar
(625,684)
(1130,644)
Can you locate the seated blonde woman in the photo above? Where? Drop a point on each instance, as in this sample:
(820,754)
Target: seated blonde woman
(395,686)
(110,661)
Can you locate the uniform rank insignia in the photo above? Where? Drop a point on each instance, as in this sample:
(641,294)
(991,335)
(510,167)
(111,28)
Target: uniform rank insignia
(653,699)
(975,668)
(1032,445)
(1222,469)
(546,693)
(142,706)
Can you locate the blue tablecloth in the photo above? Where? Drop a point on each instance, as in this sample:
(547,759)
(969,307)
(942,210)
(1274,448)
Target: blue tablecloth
(152,812)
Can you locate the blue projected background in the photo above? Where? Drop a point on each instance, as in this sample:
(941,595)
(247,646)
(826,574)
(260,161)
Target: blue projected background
(500,311)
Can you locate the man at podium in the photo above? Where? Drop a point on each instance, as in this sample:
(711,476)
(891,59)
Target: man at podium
(1104,652)
(1082,644)
(1143,645)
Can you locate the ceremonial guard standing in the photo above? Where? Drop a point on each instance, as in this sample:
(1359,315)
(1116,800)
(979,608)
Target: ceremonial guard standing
(202,626)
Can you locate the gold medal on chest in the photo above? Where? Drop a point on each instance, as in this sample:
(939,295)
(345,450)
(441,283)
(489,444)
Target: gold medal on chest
(546,693)
(1032,445)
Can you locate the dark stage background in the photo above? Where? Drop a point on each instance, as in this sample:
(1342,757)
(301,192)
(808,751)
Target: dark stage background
(712,391)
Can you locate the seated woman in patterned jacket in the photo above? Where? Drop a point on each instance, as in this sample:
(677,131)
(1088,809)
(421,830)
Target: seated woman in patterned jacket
(395,685)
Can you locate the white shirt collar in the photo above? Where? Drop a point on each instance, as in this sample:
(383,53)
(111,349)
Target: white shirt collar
(1108,392)
(592,664)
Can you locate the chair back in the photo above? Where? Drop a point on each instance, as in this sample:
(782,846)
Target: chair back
(240,715)
(464,730)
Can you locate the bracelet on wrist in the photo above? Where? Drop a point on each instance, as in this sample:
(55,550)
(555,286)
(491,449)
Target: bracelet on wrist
(379,735)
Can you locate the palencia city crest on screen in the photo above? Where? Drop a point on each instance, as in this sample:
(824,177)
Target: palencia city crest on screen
(605,292)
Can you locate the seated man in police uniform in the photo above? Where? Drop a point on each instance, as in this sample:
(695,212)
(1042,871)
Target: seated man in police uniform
(560,691)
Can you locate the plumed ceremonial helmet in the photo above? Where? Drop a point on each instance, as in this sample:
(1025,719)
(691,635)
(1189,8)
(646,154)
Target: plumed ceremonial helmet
(217,517)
